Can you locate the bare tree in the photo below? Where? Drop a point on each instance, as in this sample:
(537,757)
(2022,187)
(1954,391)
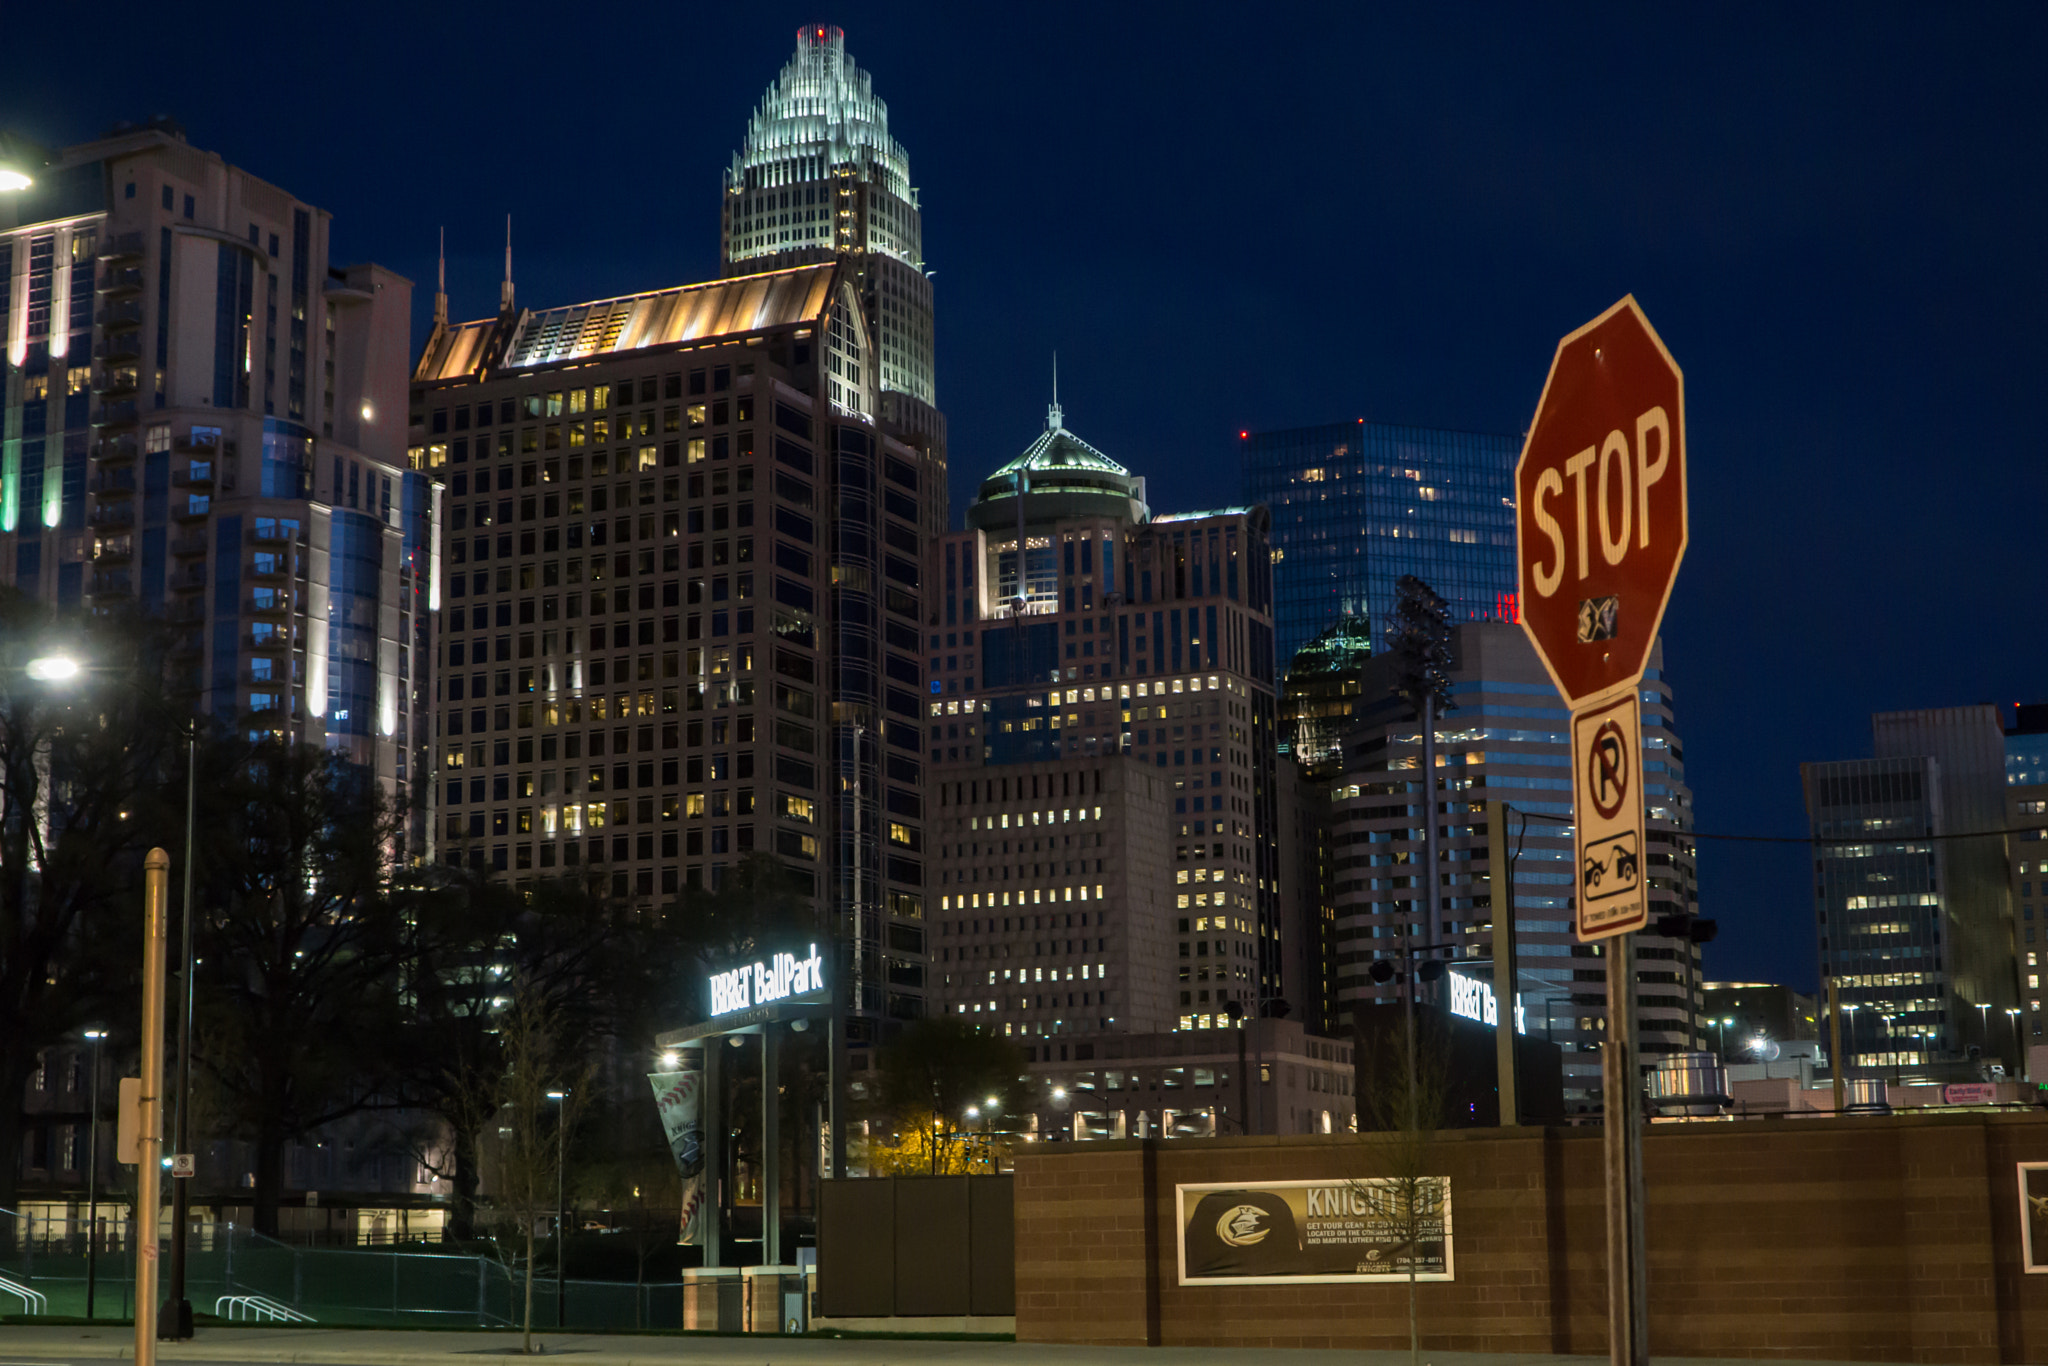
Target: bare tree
(533,1103)
(1403,1091)
(643,1194)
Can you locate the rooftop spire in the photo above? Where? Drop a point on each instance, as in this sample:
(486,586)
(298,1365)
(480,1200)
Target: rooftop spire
(1055,416)
(505,289)
(441,287)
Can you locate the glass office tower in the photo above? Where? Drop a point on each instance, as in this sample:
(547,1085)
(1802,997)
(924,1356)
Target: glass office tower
(1357,505)
(1506,737)
(1912,887)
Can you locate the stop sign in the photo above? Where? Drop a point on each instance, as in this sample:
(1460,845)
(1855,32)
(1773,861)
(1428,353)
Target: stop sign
(1600,516)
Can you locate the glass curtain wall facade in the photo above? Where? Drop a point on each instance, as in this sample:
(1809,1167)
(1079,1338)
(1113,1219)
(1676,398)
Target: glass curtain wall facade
(1879,882)
(1916,921)
(201,418)
(1507,737)
(1357,505)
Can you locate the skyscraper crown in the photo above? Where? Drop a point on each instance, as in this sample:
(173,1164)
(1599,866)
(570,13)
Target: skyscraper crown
(821,113)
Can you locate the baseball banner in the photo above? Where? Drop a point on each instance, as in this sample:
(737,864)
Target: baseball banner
(678,1096)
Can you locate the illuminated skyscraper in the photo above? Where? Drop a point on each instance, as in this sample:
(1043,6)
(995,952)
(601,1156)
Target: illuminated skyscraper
(201,419)
(1116,683)
(1356,505)
(819,177)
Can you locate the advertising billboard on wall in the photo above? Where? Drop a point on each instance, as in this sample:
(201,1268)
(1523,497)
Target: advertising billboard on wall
(1281,1232)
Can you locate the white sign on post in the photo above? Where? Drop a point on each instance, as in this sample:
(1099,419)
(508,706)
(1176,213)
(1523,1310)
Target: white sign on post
(1607,805)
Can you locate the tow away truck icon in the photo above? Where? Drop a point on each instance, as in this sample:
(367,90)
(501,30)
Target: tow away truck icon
(1624,863)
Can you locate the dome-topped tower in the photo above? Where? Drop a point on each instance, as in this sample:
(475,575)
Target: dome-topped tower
(1060,477)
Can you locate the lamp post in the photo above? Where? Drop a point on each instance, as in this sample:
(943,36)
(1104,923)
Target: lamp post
(1721,1035)
(176,1320)
(560,1098)
(180,1317)
(2019,1054)
(92,1176)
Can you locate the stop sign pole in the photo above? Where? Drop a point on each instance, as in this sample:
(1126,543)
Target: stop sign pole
(1600,528)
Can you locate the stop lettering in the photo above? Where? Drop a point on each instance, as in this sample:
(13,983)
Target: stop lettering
(1601,504)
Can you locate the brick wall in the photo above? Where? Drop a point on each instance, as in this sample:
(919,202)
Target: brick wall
(1880,1239)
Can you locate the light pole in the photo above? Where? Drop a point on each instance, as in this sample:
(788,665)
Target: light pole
(2019,1054)
(179,1320)
(560,1098)
(176,1320)
(92,1176)
(1721,1035)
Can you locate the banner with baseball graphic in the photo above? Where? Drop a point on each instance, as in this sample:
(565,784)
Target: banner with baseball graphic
(1276,1232)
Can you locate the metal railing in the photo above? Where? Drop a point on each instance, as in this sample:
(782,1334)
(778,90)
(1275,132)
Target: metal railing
(257,1309)
(32,1302)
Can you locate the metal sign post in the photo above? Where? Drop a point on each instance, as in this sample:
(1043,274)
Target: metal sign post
(1601,524)
(149,1113)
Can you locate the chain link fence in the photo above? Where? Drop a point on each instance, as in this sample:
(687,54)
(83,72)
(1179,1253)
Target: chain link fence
(344,1286)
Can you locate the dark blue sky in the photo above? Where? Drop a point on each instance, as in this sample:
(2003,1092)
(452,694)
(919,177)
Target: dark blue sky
(1270,215)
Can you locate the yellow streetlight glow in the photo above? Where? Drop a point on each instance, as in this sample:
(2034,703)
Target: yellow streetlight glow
(11,179)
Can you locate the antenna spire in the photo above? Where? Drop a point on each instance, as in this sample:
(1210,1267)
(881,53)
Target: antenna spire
(441,287)
(1055,416)
(505,289)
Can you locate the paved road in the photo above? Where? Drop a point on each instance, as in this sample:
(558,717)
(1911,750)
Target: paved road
(63,1346)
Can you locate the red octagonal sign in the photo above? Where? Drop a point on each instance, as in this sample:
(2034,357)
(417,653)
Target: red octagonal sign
(1600,516)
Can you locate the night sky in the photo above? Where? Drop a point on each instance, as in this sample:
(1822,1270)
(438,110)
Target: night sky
(1270,216)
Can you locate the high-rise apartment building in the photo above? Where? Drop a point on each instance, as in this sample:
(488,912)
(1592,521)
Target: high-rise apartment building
(1911,887)
(203,419)
(1101,746)
(1357,505)
(819,178)
(681,599)
(1506,737)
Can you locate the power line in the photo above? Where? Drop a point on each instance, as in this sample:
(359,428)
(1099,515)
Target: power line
(2034,830)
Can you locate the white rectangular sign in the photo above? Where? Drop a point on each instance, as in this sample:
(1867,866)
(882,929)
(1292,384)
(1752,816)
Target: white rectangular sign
(1607,817)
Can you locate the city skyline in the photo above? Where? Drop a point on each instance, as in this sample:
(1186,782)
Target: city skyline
(1851,317)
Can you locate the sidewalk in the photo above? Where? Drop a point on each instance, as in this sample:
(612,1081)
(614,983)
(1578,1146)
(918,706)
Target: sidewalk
(25,1346)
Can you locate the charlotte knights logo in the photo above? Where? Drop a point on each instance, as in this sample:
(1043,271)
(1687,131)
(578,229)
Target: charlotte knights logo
(1243,1226)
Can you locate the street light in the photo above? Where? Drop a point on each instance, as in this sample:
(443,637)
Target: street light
(561,1228)
(61,668)
(15,161)
(92,1176)
(2012,1018)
